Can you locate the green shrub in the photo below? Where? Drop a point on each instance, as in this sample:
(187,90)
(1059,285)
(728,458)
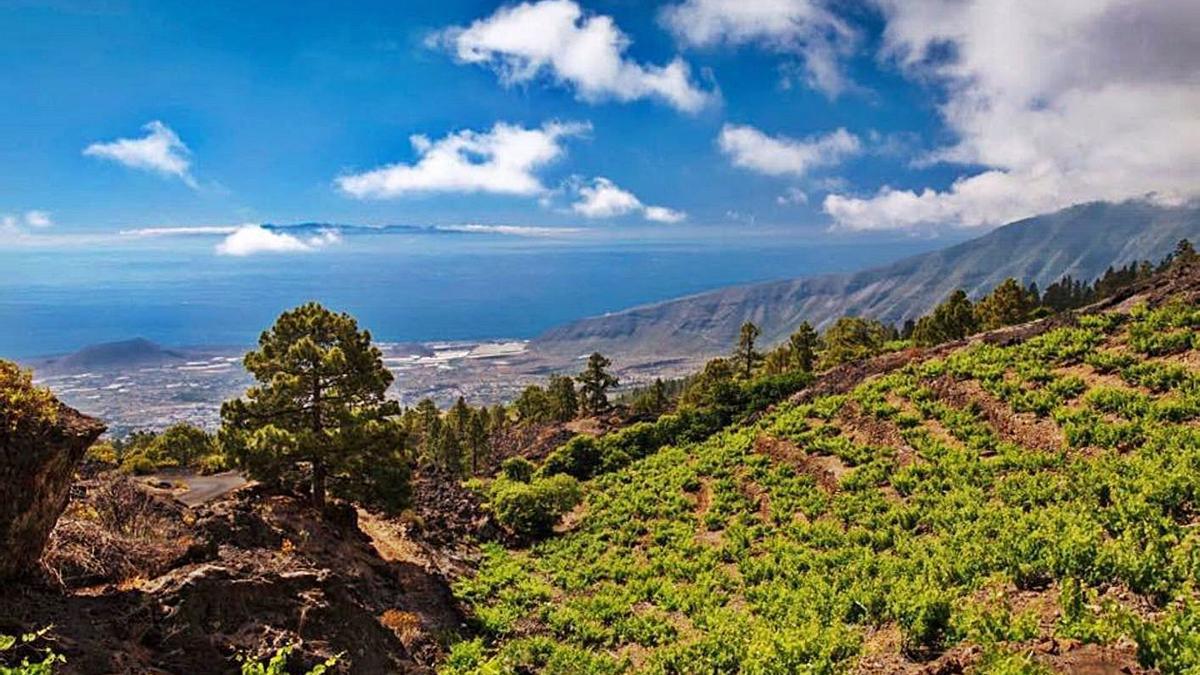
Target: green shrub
(517,469)
(923,615)
(211,463)
(532,509)
(139,465)
(23,405)
(578,457)
(101,452)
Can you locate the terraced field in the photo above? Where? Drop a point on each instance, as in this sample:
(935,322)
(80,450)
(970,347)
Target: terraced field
(1024,507)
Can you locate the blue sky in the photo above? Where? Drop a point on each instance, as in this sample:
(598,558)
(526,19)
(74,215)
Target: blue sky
(829,118)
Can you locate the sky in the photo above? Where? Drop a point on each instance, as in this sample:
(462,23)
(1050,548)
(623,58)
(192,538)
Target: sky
(822,118)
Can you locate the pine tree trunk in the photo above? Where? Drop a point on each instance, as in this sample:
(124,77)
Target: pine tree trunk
(318,485)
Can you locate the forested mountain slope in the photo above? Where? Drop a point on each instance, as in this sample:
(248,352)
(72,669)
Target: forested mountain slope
(1023,501)
(1081,241)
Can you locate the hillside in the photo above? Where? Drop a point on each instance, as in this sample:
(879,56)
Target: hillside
(134,353)
(1081,241)
(1023,501)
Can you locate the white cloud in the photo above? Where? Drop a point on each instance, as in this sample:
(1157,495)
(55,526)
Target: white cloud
(662,214)
(602,198)
(806,28)
(751,149)
(792,196)
(15,224)
(252,239)
(38,219)
(503,160)
(1059,102)
(160,151)
(554,37)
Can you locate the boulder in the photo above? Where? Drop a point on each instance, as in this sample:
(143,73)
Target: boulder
(37,466)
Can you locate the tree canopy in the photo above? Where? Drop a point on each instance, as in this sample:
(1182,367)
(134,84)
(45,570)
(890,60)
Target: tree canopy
(1008,304)
(954,319)
(746,355)
(594,383)
(319,406)
(851,338)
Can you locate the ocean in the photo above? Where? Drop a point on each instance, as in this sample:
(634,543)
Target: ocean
(403,286)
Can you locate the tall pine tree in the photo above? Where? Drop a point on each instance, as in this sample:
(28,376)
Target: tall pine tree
(319,403)
(594,383)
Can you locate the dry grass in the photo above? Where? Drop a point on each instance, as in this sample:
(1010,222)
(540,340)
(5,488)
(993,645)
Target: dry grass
(115,534)
(406,625)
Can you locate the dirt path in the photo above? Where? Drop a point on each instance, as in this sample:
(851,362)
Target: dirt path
(389,540)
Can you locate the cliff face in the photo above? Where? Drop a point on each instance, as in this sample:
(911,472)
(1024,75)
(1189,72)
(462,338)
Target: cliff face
(36,469)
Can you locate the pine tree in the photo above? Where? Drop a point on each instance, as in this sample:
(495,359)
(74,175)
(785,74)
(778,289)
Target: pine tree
(459,416)
(1008,304)
(594,383)
(851,338)
(562,399)
(432,431)
(778,360)
(653,400)
(803,346)
(746,356)
(954,319)
(476,439)
(1185,254)
(498,419)
(320,402)
(533,405)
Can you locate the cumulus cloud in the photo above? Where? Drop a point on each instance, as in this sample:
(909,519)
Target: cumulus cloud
(1060,103)
(602,198)
(585,52)
(159,151)
(252,239)
(751,149)
(662,214)
(503,160)
(805,28)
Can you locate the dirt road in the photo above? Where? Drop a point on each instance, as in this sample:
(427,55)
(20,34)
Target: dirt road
(200,489)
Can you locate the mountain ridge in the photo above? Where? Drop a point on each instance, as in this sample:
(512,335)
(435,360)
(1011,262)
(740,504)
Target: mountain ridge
(1081,240)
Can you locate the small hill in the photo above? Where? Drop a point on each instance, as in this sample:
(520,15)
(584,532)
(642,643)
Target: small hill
(138,352)
(1024,501)
(1081,241)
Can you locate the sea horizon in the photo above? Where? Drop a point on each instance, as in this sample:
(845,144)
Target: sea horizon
(403,286)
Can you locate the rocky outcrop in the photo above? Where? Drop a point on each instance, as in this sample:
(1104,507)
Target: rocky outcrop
(243,575)
(37,465)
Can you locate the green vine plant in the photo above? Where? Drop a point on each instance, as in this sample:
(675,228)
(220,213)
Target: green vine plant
(45,666)
(277,664)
